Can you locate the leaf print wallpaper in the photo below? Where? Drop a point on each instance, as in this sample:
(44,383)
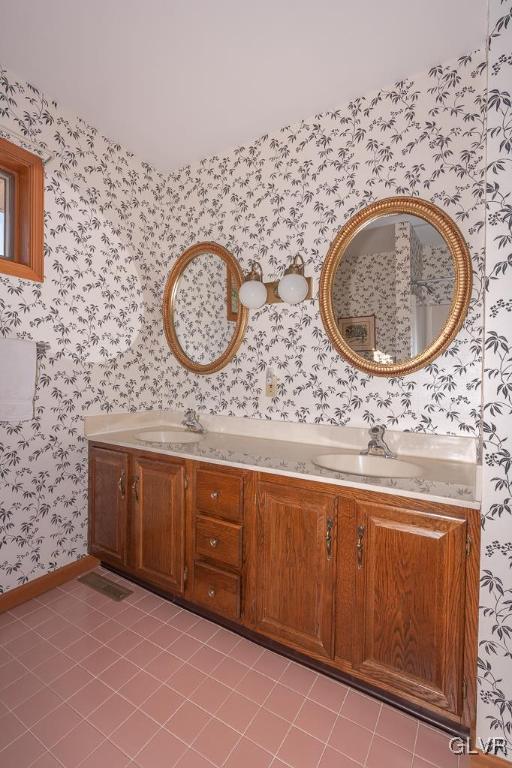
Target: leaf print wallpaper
(495,631)
(403,290)
(289,193)
(115,226)
(104,227)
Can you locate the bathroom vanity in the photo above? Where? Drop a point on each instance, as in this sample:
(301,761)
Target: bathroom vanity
(373,580)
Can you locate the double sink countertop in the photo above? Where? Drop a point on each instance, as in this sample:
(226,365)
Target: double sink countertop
(453,477)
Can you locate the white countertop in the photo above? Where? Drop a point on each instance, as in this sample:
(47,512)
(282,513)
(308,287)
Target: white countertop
(442,480)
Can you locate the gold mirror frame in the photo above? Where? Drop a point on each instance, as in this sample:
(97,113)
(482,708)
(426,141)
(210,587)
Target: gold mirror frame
(461,296)
(170,297)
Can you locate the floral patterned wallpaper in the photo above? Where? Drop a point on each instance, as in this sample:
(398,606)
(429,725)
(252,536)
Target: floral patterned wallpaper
(289,193)
(104,229)
(495,632)
(403,290)
(437,272)
(114,226)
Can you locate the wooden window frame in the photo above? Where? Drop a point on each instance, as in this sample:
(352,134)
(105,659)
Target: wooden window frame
(27,259)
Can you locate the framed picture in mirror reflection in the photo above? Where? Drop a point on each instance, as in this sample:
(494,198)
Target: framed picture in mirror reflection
(358,332)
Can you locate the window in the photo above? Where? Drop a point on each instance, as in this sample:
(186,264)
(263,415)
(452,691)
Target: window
(5,215)
(21,212)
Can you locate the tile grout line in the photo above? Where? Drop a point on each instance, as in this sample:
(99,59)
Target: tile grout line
(326,744)
(139,596)
(186,698)
(167,649)
(261,706)
(139,707)
(306,698)
(166,682)
(373,732)
(290,727)
(207,675)
(415,741)
(162,648)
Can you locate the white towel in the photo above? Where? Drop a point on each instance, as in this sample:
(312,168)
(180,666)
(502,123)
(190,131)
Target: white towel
(18,370)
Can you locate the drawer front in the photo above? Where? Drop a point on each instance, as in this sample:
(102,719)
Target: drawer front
(219,541)
(217,590)
(219,494)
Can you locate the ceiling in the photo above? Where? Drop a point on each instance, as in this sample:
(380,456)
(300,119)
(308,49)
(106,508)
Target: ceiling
(177,80)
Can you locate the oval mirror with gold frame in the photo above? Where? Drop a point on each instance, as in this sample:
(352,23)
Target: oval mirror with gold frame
(204,321)
(395,286)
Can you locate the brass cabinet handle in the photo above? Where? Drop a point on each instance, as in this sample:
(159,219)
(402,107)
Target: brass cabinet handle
(213,543)
(328,536)
(359,545)
(211,592)
(214,495)
(135,488)
(121,485)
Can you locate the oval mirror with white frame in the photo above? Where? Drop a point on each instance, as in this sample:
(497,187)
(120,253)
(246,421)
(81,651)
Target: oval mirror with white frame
(204,321)
(395,286)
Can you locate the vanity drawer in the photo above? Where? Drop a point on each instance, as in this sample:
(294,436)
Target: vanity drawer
(217,590)
(219,493)
(218,540)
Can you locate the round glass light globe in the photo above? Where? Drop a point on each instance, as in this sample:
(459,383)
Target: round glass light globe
(293,288)
(253,294)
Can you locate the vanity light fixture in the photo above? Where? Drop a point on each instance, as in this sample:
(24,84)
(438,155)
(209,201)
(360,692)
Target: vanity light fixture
(253,291)
(292,288)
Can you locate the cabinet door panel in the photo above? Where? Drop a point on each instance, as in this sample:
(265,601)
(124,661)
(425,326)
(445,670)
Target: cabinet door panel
(108,500)
(410,587)
(158,522)
(294,573)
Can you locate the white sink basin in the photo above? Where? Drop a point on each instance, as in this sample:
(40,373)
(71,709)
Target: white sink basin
(372,466)
(168,436)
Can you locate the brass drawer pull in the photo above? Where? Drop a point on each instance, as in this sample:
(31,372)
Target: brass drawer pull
(214,495)
(328,537)
(135,488)
(359,545)
(213,543)
(121,485)
(211,592)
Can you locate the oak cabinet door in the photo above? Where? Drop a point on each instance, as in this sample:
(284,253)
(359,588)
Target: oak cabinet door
(157,523)
(293,582)
(410,587)
(108,504)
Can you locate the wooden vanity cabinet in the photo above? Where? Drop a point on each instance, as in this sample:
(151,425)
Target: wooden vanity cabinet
(137,514)
(293,556)
(410,589)
(407,600)
(108,505)
(157,522)
(380,588)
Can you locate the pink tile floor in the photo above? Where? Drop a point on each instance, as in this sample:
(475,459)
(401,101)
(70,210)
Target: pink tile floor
(88,682)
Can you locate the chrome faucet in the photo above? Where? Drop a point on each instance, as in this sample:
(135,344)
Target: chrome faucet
(192,423)
(377,446)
